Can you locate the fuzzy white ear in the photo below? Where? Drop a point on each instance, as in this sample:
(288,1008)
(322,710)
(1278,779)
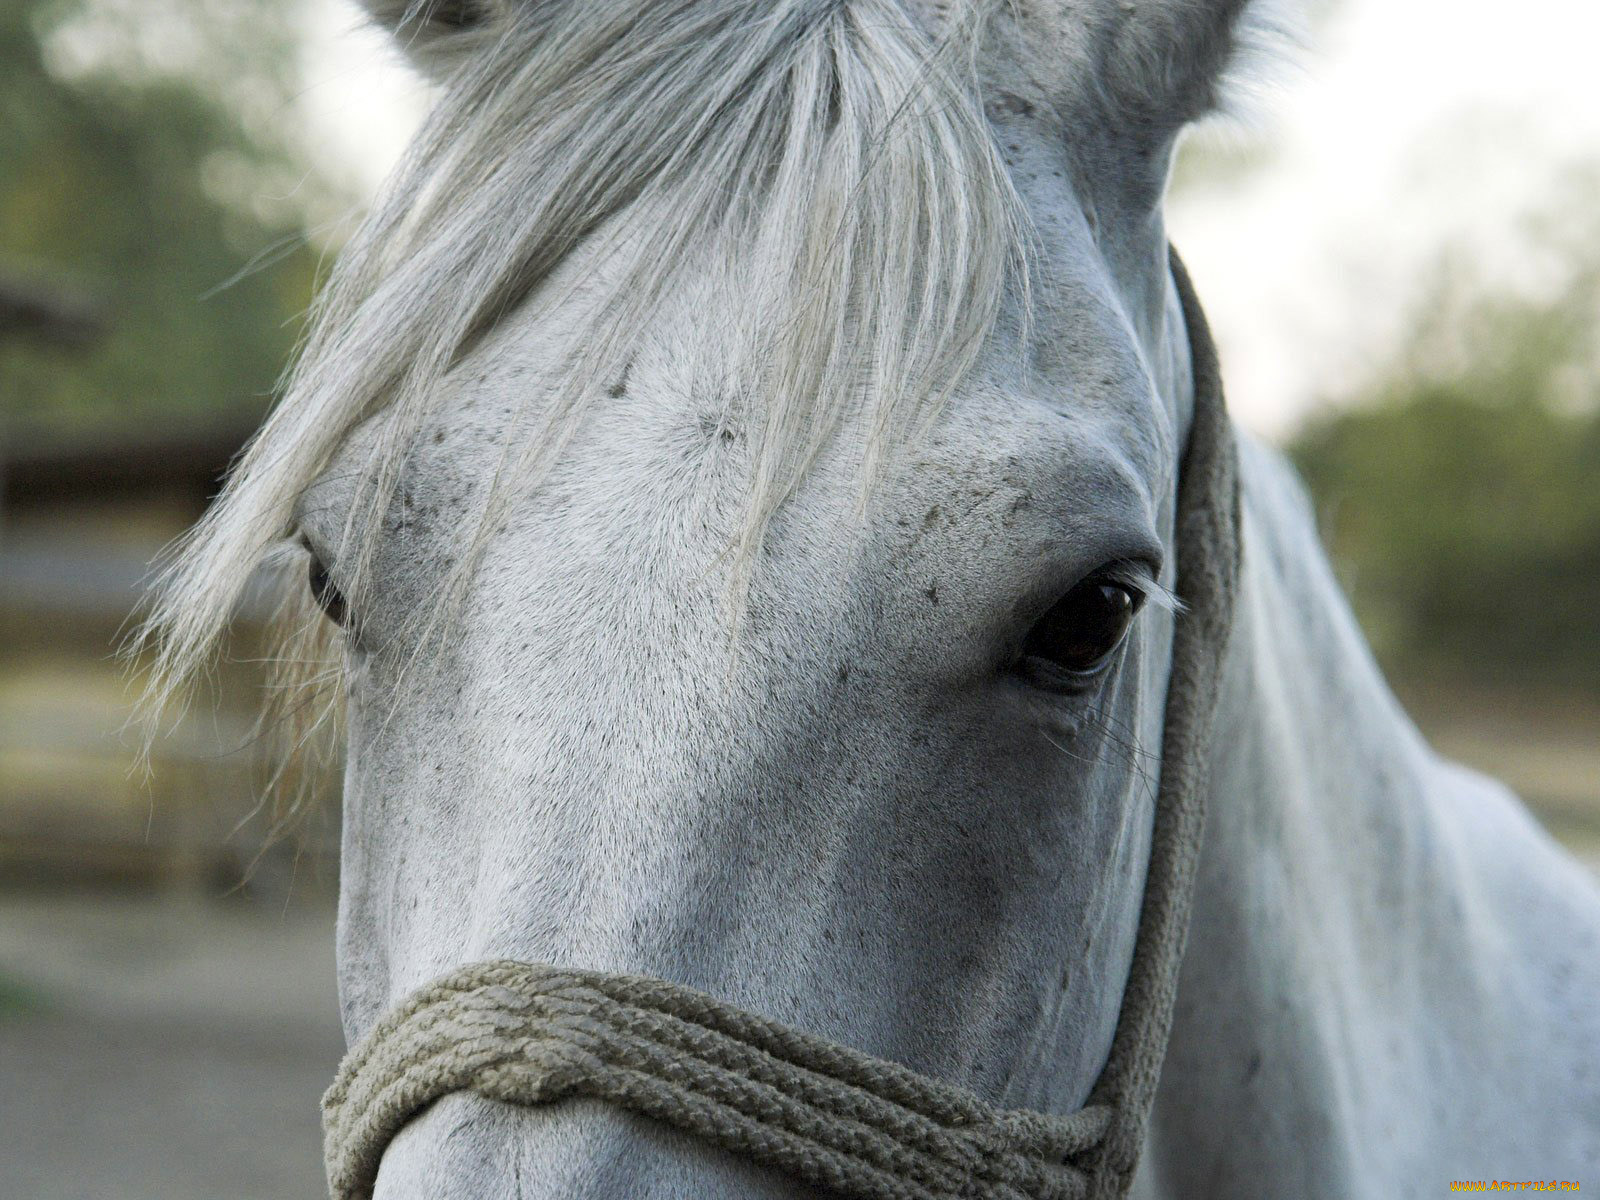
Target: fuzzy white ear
(1175,61)
(1158,64)
(1269,39)
(440,35)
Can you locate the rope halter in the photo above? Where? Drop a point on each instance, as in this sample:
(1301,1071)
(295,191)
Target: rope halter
(859,1126)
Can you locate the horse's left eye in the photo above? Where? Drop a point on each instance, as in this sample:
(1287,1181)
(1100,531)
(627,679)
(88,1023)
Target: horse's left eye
(323,590)
(1079,635)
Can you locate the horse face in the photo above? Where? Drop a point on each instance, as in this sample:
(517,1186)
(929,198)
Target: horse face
(897,793)
(904,804)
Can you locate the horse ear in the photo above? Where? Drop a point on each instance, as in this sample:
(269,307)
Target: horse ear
(1190,58)
(1197,58)
(439,35)
(1162,63)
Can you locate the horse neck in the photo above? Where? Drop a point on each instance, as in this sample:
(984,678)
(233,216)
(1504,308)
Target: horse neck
(1304,846)
(1317,772)
(1356,906)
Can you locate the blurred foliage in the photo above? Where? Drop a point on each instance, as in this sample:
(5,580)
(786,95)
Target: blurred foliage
(150,187)
(1460,495)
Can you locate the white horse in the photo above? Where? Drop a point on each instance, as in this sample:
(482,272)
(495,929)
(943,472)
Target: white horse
(736,453)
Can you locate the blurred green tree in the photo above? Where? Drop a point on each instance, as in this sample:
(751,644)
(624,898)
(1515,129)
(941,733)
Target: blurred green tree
(161,191)
(1460,495)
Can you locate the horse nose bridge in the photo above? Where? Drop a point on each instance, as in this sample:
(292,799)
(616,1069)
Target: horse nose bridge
(684,878)
(466,1148)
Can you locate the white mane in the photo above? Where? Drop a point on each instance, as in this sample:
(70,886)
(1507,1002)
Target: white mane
(821,155)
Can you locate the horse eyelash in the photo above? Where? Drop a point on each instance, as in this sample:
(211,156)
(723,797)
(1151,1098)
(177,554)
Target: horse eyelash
(1142,582)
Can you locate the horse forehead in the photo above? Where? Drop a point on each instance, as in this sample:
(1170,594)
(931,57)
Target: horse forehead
(1075,372)
(1065,401)
(648,495)
(1076,411)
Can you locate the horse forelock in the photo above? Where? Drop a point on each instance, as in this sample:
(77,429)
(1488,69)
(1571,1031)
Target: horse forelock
(826,157)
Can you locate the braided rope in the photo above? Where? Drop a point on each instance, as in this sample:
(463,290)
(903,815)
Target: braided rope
(527,1033)
(862,1127)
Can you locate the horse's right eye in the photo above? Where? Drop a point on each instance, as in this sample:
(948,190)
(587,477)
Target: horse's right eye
(324,591)
(1078,637)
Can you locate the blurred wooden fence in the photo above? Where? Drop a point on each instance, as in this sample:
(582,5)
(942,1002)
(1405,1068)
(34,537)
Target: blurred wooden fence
(81,521)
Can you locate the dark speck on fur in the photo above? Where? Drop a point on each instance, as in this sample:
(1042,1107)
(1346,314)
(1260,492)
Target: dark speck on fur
(619,389)
(1008,104)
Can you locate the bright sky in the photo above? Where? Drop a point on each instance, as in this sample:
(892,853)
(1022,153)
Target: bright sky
(1411,126)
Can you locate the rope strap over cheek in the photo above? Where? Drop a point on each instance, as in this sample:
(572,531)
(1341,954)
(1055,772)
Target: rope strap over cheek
(859,1126)
(525,1033)
(1206,532)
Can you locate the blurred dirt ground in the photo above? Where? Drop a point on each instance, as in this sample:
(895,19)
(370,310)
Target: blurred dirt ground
(163,1048)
